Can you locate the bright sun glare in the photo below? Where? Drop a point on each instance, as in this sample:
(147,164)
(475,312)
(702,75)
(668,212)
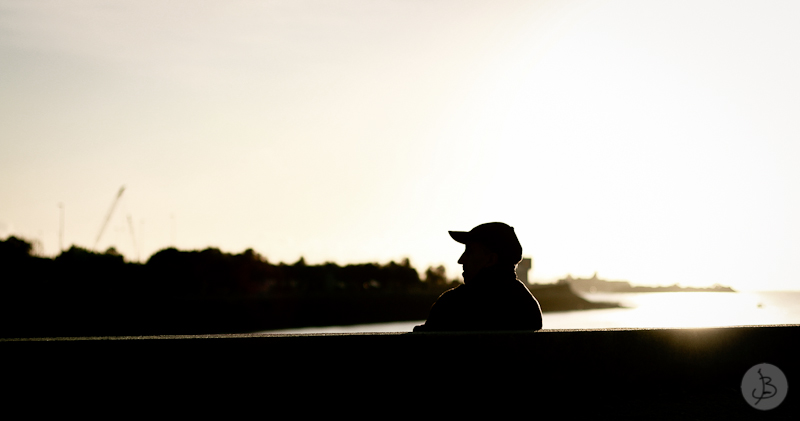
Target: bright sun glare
(696,310)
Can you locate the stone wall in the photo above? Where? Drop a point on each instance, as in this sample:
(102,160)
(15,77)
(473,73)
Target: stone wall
(622,373)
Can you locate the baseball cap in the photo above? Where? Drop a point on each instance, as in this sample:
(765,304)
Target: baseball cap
(496,236)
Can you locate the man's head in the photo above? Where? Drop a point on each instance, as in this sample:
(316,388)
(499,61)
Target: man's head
(487,245)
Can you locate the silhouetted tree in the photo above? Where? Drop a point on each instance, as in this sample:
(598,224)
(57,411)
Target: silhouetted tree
(83,272)
(14,248)
(435,276)
(21,272)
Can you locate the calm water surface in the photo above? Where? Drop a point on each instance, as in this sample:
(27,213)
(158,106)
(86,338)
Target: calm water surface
(660,309)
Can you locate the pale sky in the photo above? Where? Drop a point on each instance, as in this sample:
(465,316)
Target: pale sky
(651,141)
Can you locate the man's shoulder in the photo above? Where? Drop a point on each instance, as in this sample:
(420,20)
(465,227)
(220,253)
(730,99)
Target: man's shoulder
(455,297)
(454,292)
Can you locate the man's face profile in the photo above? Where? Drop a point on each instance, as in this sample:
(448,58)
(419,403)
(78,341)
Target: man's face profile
(476,257)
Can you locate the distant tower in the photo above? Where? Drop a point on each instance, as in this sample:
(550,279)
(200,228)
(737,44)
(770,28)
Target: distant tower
(522,269)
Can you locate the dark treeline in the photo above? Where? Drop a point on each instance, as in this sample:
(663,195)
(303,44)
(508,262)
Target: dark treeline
(84,292)
(209,272)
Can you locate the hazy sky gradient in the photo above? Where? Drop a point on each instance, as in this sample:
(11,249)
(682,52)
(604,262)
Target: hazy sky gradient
(656,142)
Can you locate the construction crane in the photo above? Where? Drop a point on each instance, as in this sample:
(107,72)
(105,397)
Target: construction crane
(108,217)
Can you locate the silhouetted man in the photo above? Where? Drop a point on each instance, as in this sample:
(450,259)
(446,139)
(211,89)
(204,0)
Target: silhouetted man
(491,298)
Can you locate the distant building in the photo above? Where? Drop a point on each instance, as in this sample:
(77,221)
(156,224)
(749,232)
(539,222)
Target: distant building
(523,267)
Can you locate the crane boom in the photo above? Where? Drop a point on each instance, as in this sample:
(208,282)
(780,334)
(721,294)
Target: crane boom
(108,217)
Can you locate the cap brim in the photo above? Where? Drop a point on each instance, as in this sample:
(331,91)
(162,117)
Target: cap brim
(461,236)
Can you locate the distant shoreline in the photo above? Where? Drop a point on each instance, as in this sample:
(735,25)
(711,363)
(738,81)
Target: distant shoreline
(113,316)
(674,288)
(595,284)
(85,293)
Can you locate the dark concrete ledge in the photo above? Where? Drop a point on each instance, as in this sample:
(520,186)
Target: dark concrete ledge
(626,373)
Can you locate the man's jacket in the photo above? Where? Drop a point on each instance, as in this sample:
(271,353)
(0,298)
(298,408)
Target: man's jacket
(494,300)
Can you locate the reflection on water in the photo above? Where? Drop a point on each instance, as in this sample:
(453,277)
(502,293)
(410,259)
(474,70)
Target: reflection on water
(375,327)
(683,309)
(658,310)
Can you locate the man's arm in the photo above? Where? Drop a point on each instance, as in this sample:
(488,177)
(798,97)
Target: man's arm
(441,314)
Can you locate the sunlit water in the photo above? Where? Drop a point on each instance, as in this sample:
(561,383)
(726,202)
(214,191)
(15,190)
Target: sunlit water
(657,310)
